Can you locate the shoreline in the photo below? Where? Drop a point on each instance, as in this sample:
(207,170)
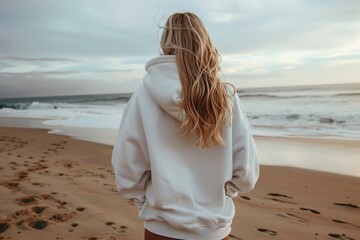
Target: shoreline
(306,153)
(68,185)
(22,122)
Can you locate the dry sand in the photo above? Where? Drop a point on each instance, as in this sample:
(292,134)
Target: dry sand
(54,187)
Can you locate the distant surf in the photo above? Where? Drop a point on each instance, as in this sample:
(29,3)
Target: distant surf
(328,111)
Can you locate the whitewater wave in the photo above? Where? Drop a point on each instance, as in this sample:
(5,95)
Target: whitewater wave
(292,95)
(17,105)
(287,113)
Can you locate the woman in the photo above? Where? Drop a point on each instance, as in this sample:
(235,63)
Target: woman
(184,147)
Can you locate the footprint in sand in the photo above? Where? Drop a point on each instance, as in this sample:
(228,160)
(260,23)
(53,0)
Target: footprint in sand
(39,184)
(342,222)
(28,218)
(21,213)
(4,226)
(121,230)
(245,197)
(311,210)
(280,199)
(62,217)
(68,165)
(38,224)
(37,166)
(350,205)
(267,231)
(337,221)
(26,200)
(74,225)
(279,195)
(11,185)
(38,209)
(62,174)
(293,217)
(341,237)
(80,209)
(22,175)
(14,163)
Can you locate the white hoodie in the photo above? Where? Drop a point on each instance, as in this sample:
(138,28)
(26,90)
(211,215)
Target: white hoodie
(182,191)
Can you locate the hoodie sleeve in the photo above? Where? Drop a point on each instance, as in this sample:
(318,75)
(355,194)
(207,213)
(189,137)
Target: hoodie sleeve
(131,168)
(245,159)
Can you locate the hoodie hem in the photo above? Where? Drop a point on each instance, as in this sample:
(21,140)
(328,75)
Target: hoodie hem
(165,229)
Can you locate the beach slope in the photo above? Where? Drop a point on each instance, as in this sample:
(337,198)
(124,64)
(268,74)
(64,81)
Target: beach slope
(55,187)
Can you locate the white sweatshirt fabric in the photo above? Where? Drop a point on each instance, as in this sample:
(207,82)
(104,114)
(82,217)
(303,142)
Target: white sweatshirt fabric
(182,191)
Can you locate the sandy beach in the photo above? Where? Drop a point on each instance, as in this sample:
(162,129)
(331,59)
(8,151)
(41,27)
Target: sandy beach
(55,187)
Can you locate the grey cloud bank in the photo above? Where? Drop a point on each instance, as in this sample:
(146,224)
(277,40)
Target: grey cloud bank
(83,47)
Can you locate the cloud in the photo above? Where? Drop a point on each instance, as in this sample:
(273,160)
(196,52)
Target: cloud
(18,58)
(289,42)
(44,84)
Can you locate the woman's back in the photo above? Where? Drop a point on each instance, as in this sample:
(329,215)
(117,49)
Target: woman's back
(182,190)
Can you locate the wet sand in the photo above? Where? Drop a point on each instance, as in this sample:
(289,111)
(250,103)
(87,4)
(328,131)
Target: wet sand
(55,187)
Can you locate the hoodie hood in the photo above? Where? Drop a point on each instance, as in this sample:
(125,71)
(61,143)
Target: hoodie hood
(163,83)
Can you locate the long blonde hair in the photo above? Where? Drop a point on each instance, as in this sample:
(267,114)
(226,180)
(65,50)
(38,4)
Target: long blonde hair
(204,96)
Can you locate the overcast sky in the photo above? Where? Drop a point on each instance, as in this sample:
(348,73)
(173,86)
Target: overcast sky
(68,47)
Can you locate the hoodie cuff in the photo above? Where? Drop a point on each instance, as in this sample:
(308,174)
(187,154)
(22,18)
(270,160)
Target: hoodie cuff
(229,191)
(138,204)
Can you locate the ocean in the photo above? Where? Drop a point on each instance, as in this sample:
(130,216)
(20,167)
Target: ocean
(323,111)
